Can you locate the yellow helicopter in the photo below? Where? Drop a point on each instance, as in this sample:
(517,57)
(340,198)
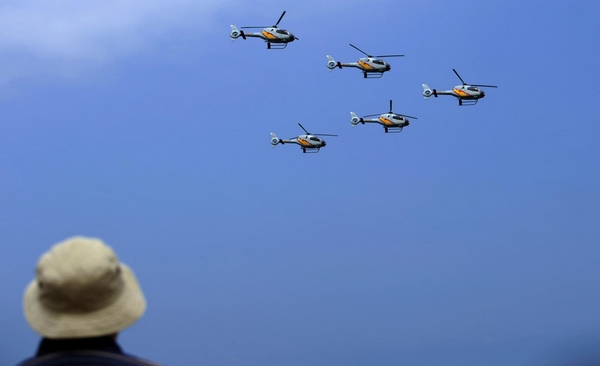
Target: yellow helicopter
(276,38)
(390,120)
(310,141)
(371,66)
(467,94)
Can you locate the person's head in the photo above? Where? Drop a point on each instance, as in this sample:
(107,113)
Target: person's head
(81,290)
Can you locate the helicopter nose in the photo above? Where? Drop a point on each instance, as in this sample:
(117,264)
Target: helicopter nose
(482,94)
(324,143)
(407,122)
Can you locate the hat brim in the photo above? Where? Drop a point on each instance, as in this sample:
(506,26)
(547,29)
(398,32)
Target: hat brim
(120,314)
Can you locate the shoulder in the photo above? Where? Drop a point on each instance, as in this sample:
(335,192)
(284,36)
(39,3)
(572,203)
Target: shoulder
(87,358)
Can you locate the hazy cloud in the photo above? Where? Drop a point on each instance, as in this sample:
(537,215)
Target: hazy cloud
(68,35)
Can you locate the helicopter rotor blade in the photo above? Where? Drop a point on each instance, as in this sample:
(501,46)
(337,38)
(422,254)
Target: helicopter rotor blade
(266,26)
(390,56)
(360,50)
(308,133)
(276,24)
(373,115)
(485,86)
(404,115)
(459,77)
(391,106)
(322,134)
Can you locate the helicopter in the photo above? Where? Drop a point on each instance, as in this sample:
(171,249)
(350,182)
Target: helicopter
(371,66)
(389,120)
(467,94)
(276,38)
(309,141)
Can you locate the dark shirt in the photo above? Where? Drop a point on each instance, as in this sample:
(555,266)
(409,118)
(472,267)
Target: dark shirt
(95,351)
(104,344)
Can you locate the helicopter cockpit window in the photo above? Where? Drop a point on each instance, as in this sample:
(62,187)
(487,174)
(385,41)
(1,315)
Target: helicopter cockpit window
(397,117)
(378,62)
(472,88)
(315,139)
(281,31)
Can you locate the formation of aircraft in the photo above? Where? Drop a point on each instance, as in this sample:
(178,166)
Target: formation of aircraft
(371,67)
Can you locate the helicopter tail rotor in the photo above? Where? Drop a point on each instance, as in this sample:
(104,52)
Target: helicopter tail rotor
(332,64)
(235,33)
(275,140)
(427,92)
(354,119)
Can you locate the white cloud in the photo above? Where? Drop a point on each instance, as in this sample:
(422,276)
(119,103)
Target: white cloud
(69,38)
(62,36)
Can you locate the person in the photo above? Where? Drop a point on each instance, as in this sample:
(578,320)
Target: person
(79,301)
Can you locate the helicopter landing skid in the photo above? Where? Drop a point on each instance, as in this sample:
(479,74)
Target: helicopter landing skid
(372,75)
(465,103)
(311,150)
(393,129)
(276,46)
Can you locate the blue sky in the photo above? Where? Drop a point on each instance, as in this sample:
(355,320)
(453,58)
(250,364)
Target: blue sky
(471,238)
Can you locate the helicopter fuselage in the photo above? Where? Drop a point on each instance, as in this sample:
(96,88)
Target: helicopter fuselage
(393,120)
(369,64)
(273,35)
(308,141)
(465,92)
(304,141)
(388,120)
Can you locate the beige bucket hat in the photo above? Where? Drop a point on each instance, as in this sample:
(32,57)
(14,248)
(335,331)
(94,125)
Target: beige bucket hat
(81,290)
